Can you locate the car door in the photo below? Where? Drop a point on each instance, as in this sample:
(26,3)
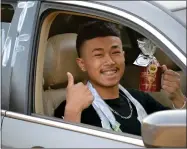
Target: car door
(23,129)
(19,128)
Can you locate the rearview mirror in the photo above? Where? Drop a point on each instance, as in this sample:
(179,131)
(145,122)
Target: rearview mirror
(165,129)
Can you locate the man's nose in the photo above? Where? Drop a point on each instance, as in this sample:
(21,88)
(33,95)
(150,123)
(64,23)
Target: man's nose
(109,60)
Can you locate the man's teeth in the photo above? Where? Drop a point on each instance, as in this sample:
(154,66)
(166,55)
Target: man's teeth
(110,72)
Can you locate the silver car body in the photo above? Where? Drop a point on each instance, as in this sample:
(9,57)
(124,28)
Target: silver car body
(22,129)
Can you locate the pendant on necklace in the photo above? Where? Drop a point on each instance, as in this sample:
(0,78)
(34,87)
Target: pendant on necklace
(116,127)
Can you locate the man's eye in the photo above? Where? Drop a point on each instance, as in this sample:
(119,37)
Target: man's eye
(97,54)
(117,52)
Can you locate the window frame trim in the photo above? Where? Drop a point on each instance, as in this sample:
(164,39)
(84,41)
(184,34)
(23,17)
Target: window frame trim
(74,128)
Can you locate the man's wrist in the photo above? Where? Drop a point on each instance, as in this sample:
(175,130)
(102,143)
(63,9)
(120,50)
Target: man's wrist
(72,114)
(181,107)
(179,101)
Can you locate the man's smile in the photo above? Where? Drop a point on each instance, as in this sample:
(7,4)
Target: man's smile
(109,72)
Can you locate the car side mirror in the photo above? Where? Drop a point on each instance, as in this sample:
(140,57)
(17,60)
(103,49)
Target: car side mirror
(165,129)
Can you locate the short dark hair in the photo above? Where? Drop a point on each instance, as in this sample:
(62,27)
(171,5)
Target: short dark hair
(95,29)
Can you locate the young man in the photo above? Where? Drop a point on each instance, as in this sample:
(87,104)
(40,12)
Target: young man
(101,56)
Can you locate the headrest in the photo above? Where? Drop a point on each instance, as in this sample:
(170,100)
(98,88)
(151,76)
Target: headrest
(60,58)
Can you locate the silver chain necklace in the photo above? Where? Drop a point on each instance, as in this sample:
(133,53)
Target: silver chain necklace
(130,106)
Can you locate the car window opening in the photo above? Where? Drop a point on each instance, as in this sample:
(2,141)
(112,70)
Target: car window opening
(58,42)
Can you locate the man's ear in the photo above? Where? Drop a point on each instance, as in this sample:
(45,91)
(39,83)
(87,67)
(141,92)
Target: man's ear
(81,64)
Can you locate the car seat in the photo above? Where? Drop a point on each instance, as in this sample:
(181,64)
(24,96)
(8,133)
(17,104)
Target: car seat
(60,58)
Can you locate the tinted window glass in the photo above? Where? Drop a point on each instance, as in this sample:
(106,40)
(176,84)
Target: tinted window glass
(7,12)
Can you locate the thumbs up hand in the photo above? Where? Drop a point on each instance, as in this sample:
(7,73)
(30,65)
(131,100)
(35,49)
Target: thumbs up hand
(78,98)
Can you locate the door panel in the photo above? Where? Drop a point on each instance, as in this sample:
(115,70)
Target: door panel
(25,134)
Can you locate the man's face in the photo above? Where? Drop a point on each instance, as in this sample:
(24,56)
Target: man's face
(103,59)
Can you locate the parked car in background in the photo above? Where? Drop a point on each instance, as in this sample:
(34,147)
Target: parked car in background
(35,58)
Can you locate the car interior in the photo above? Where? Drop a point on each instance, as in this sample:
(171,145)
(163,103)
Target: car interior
(57,54)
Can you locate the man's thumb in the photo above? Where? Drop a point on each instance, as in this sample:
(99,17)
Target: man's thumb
(70,79)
